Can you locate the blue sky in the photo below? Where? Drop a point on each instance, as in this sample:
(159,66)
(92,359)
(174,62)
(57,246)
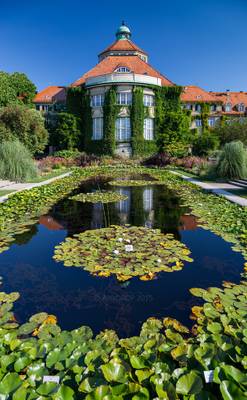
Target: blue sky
(190,41)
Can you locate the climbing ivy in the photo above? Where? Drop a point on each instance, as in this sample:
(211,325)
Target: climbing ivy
(110,110)
(172,124)
(205,111)
(74,100)
(137,121)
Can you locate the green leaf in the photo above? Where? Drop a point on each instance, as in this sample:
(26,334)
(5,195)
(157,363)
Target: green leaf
(47,388)
(230,391)
(99,393)
(21,363)
(53,357)
(114,372)
(10,383)
(189,383)
(64,393)
(138,362)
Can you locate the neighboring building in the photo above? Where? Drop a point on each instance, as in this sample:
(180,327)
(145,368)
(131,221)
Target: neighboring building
(125,66)
(234,103)
(52,98)
(193,98)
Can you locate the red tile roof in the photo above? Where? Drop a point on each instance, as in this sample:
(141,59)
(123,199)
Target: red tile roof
(234,98)
(50,95)
(196,94)
(109,64)
(123,45)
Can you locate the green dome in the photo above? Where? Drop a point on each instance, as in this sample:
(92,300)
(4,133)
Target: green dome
(123,32)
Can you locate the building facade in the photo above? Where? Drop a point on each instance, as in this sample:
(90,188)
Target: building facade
(124,66)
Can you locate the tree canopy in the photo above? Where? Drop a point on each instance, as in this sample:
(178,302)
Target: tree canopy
(16,88)
(66,136)
(232,131)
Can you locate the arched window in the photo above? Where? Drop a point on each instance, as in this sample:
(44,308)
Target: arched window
(122,70)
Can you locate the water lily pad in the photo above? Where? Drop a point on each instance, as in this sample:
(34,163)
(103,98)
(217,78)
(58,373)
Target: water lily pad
(123,251)
(99,197)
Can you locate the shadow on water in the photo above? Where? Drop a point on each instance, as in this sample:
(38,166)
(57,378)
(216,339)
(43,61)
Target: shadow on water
(78,298)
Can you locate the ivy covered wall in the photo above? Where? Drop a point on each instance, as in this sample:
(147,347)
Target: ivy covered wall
(171,122)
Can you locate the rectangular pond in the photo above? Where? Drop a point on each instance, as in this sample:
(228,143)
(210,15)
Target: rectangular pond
(78,298)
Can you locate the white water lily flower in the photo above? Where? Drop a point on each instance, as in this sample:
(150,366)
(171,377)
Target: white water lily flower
(116,251)
(129,247)
(127,240)
(158,260)
(120,239)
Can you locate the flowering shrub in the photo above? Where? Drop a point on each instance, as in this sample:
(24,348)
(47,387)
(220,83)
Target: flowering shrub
(49,163)
(189,162)
(159,160)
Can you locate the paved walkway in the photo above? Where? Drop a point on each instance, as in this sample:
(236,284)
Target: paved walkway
(18,187)
(217,188)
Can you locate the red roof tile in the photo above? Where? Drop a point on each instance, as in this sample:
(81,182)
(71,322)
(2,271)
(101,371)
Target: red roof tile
(50,95)
(123,45)
(234,98)
(196,94)
(109,64)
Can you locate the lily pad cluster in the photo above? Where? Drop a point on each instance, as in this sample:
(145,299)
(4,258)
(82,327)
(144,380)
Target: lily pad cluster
(99,197)
(131,182)
(166,361)
(124,251)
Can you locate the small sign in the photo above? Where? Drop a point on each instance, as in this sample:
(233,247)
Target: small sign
(208,376)
(129,247)
(50,378)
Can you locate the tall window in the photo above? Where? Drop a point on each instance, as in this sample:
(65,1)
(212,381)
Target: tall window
(198,123)
(123,129)
(97,100)
(124,98)
(149,129)
(97,128)
(198,107)
(213,107)
(148,100)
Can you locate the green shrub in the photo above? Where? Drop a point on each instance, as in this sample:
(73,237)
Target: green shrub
(24,124)
(67,153)
(232,162)
(16,163)
(204,143)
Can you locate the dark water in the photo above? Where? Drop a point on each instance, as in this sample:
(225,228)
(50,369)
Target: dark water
(77,298)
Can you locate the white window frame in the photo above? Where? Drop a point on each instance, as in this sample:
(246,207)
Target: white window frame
(122,70)
(123,129)
(148,100)
(97,128)
(198,122)
(124,98)
(97,100)
(148,129)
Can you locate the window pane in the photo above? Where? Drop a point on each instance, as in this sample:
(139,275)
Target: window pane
(148,100)
(97,128)
(97,100)
(123,129)
(149,129)
(124,98)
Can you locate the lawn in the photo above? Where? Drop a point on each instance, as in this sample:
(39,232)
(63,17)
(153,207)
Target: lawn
(4,192)
(45,177)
